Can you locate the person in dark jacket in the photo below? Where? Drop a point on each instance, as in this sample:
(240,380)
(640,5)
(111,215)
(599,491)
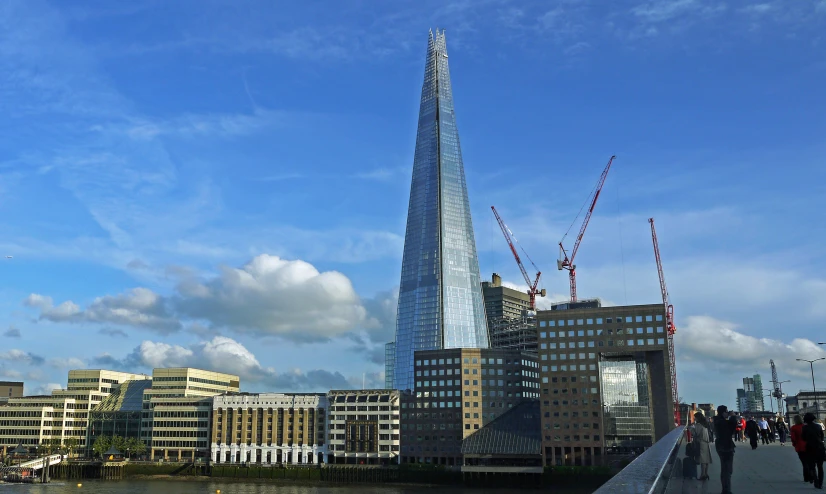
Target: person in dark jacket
(772,429)
(752,430)
(782,430)
(724,429)
(815,450)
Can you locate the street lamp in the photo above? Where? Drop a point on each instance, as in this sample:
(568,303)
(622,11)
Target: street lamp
(770,394)
(814,390)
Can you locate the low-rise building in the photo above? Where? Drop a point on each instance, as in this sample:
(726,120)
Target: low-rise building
(363,426)
(269,428)
(177,410)
(63,415)
(807,402)
(10,389)
(459,391)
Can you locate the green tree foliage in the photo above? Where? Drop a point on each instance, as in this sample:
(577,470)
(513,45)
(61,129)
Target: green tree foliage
(71,444)
(102,443)
(135,446)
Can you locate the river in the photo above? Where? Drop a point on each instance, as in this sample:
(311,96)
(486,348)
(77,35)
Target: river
(203,487)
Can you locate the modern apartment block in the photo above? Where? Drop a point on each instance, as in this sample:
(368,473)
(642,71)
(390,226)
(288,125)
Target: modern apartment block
(458,391)
(511,323)
(750,396)
(605,381)
(64,414)
(440,293)
(363,427)
(177,410)
(269,428)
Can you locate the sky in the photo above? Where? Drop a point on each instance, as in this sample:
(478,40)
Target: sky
(224,184)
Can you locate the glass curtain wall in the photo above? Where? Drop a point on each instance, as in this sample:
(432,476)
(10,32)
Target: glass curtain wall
(440,294)
(626,401)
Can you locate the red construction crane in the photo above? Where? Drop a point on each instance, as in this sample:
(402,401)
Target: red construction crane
(566,262)
(669,322)
(532,290)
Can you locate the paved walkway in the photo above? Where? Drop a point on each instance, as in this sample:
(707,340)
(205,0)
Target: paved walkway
(770,468)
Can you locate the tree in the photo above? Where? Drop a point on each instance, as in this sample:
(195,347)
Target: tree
(135,446)
(102,443)
(71,444)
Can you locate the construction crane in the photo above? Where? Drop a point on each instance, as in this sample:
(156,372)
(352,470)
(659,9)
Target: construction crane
(510,238)
(669,322)
(568,262)
(778,388)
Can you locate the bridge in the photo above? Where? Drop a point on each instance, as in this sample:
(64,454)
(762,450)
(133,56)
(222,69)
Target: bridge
(28,469)
(770,468)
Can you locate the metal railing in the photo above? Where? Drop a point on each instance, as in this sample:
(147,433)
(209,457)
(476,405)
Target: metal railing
(650,472)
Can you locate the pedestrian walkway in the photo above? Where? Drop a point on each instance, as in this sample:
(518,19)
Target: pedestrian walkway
(769,468)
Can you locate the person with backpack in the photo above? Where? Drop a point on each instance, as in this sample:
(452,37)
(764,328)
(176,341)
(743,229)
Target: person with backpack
(815,449)
(725,428)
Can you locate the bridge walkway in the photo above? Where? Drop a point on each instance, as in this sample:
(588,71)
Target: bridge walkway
(769,468)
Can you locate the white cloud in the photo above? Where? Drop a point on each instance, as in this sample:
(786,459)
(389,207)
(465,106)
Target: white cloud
(67,363)
(45,389)
(224,354)
(275,296)
(139,307)
(21,356)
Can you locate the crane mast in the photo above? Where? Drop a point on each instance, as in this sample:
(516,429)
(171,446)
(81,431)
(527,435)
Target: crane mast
(669,321)
(532,290)
(566,262)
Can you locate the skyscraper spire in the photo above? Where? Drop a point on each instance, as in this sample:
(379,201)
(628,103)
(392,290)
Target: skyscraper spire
(440,295)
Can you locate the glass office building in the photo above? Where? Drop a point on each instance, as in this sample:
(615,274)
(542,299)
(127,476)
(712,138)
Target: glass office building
(440,296)
(626,402)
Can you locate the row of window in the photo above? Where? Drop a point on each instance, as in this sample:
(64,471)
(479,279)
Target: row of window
(608,320)
(576,437)
(599,332)
(468,360)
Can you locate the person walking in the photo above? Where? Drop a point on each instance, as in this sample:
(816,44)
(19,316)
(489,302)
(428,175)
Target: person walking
(740,429)
(815,449)
(772,428)
(752,430)
(702,448)
(782,430)
(764,430)
(796,433)
(724,429)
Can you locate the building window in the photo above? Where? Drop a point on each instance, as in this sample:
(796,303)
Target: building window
(659,317)
(579,322)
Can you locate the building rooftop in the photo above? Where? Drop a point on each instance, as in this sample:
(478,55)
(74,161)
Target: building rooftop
(128,397)
(516,432)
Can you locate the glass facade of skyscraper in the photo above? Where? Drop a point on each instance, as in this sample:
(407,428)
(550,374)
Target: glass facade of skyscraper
(440,296)
(627,418)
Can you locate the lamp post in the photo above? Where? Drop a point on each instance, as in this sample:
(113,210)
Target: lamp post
(785,412)
(814,390)
(770,394)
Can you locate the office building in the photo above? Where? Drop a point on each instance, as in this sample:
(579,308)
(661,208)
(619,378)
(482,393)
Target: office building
(502,302)
(177,410)
(511,323)
(459,391)
(363,427)
(389,364)
(269,428)
(118,414)
(750,396)
(61,416)
(440,293)
(10,389)
(605,381)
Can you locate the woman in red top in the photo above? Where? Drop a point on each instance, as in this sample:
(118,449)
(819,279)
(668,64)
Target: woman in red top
(799,444)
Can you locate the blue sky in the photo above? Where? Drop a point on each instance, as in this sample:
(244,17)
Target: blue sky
(220,184)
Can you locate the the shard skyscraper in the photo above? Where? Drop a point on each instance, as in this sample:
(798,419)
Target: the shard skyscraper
(440,295)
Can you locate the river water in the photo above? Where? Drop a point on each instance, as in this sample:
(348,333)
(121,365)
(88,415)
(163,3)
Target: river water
(203,487)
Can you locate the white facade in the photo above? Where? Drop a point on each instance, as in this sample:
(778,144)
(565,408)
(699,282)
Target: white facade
(269,428)
(364,426)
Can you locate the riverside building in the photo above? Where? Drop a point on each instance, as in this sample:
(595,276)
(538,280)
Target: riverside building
(363,427)
(605,381)
(440,295)
(62,415)
(269,428)
(177,410)
(10,389)
(457,392)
